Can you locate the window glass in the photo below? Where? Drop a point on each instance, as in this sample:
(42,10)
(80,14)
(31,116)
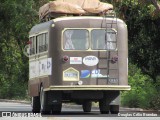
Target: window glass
(103,40)
(43,42)
(46,41)
(32,46)
(39,43)
(76,39)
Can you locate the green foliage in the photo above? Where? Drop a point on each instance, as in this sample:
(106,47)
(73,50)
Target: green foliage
(155,101)
(143,93)
(143,28)
(16,19)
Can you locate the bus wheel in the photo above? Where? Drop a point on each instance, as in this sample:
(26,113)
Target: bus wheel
(35,104)
(45,109)
(104,106)
(87,106)
(114,109)
(56,109)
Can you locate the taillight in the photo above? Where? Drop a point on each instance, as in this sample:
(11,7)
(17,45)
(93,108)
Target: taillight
(65,58)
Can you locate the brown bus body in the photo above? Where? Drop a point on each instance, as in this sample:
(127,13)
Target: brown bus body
(67,63)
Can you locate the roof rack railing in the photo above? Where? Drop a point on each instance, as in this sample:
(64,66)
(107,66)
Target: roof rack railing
(50,16)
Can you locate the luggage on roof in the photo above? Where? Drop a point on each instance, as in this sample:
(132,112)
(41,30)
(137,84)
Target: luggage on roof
(73,7)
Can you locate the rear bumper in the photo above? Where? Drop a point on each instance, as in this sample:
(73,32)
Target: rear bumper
(89,87)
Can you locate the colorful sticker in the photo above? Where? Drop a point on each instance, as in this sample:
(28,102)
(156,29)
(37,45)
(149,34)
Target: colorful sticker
(75,60)
(90,60)
(85,73)
(97,74)
(71,74)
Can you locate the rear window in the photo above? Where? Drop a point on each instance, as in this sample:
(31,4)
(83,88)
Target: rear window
(103,40)
(76,39)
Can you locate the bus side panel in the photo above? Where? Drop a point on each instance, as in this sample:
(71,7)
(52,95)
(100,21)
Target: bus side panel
(40,79)
(54,53)
(123,53)
(33,88)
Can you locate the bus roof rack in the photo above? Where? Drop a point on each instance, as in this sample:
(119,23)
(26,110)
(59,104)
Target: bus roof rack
(52,15)
(59,8)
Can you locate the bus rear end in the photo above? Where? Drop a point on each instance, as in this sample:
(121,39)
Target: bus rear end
(89,63)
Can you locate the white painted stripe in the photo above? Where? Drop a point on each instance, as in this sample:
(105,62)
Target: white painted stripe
(89,87)
(86,17)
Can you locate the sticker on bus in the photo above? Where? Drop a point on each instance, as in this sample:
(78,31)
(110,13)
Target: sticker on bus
(85,73)
(90,60)
(75,60)
(45,66)
(40,68)
(71,74)
(97,74)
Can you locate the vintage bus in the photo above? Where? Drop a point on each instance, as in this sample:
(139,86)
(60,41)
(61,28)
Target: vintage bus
(80,59)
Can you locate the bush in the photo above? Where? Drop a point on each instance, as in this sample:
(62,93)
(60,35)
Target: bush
(143,93)
(12,89)
(155,101)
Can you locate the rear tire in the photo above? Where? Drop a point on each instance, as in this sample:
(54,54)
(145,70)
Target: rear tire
(87,106)
(114,109)
(44,108)
(103,106)
(35,104)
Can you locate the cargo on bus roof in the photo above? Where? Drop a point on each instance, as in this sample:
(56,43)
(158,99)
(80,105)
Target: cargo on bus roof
(73,7)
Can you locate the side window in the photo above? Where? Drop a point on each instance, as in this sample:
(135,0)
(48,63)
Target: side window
(32,45)
(43,42)
(40,40)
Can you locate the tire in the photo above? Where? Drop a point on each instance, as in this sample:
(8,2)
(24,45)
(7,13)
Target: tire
(35,104)
(56,109)
(114,109)
(44,108)
(87,106)
(103,106)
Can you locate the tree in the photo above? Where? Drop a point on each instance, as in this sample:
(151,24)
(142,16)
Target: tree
(16,18)
(156,4)
(143,28)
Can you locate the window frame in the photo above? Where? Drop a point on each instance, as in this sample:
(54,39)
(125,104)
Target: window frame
(42,42)
(32,46)
(88,39)
(37,43)
(110,31)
